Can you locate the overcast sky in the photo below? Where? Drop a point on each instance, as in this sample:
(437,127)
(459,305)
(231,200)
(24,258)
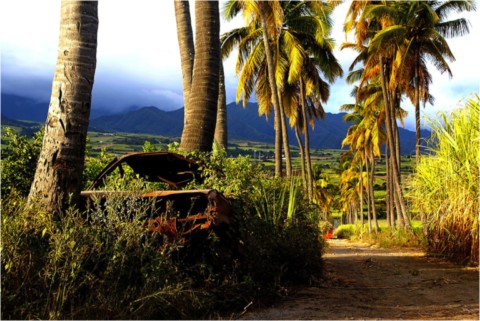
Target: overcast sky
(138,61)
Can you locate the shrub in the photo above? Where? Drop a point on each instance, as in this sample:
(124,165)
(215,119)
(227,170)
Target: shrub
(345,231)
(19,162)
(78,266)
(104,264)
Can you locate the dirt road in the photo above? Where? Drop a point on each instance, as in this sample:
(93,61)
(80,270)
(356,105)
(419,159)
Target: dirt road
(370,283)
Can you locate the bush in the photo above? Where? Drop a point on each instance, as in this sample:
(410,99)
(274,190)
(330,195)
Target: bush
(104,264)
(19,162)
(345,231)
(78,266)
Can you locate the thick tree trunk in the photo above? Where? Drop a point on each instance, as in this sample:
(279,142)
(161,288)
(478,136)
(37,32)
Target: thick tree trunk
(201,114)
(273,89)
(186,46)
(221,129)
(58,177)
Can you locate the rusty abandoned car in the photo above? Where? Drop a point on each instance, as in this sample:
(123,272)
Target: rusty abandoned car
(178,213)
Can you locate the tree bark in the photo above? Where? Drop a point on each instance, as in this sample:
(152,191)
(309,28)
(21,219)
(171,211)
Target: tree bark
(286,146)
(372,195)
(186,46)
(221,128)
(302,157)
(58,176)
(201,115)
(307,143)
(417,115)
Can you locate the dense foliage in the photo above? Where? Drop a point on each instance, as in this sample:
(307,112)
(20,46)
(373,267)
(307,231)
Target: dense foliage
(19,161)
(104,264)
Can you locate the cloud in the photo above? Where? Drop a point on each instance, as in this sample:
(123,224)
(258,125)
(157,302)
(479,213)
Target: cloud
(138,61)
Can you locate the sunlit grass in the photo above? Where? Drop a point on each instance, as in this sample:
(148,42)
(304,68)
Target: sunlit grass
(445,187)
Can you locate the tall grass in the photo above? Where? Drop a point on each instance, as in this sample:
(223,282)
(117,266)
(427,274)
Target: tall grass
(445,187)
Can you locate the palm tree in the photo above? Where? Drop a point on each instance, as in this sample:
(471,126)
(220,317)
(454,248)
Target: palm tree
(201,114)
(302,32)
(256,61)
(305,44)
(378,57)
(365,137)
(419,30)
(58,176)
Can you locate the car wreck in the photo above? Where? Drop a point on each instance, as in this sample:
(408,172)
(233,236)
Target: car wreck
(178,213)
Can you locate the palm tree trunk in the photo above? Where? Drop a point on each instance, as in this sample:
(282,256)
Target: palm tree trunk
(201,115)
(187,49)
(60,166)
(273,89)
(372,195)
(286,146)
(417,115)
(360,183)
(399,189)
(302,157)
(393,143)
(368,190)
(389,192)
(307,142)
(221,129)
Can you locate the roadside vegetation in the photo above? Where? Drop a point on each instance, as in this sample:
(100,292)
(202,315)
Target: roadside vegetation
(106,265)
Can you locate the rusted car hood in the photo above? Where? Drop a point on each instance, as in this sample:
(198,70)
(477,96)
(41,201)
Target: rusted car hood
(171,168)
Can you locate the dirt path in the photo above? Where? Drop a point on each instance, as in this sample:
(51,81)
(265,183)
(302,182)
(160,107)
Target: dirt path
(371,283)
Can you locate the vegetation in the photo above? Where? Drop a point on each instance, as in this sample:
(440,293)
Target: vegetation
(106,265)
(445,186)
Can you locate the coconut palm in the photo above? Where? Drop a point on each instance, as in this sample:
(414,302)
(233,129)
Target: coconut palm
(58,176)
(256,62)
(365,137)
(419,30)
(200,116)
(306,46)
(378,55)
(302,52)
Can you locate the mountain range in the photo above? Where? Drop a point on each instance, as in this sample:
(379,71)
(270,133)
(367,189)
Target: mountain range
(243,123)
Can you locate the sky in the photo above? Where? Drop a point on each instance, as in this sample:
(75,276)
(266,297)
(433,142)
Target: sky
(138,62)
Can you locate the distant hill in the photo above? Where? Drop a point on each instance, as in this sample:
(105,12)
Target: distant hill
(243,123)
(16,107)
(22,108)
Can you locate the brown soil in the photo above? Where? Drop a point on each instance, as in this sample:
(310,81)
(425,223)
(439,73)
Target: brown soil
(364,282)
